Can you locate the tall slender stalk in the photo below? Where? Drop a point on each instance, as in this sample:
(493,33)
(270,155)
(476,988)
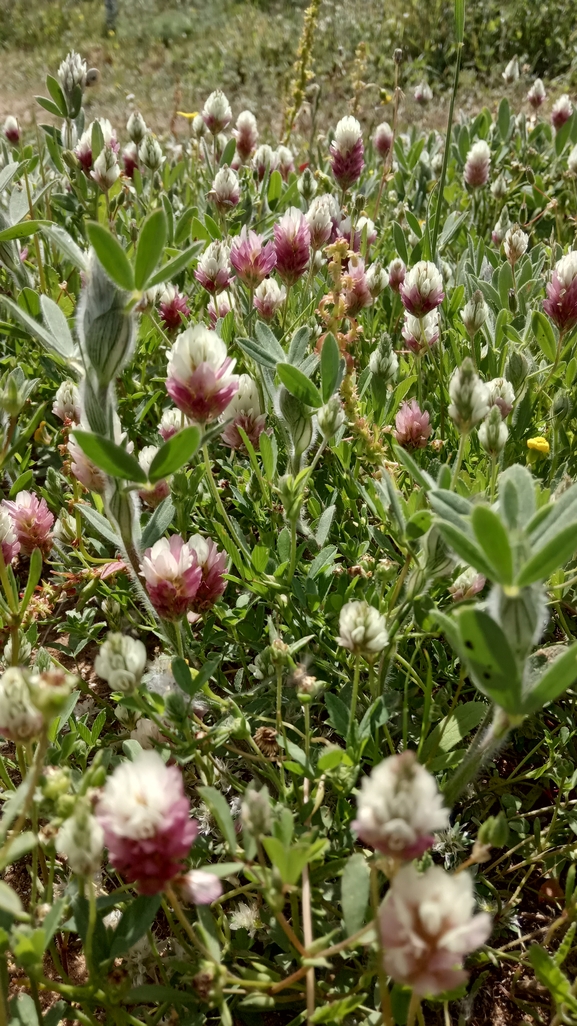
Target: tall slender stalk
(459,33)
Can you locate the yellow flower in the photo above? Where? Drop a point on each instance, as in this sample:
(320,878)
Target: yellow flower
(539,444)
(183,114)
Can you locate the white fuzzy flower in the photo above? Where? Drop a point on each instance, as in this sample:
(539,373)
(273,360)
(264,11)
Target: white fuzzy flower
(269,296)
(362,629)
(246,402)
(66,404)
(150,153)
(400,808)
(139,796)
(199,345)
(225,188)
(20,720)
(469,397)
(121,661)
(198,887)
(376,278)
(146,456)
(136,127)
(216,112)
(424,277)
(515,244)
(511,72)
(163,563)
(72,73)
(572,161)
(347,134)
(566,269)
(105,170)
(265,159)
(502,394)
(81,840)
(321,216)
(427,926)
(245,917)
(170,423)
(493,432)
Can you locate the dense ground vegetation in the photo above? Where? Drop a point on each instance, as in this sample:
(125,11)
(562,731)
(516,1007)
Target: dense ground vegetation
(288,541)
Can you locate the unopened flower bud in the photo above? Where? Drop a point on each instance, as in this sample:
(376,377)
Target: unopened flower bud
(561,407)
(72,74)
(516,368)
(383,361)
(515,244)
(50,691)
(474,313)
(469,397)
(561,112)
(66,405)
(198,887)
(15,390)
(376,279)
(493,432)
(121,661)
(246,135)
(494,831)
(423,94)
(397,272)
(225,192)
(331,417)
(216,112)
(106,169)
(307,184)
(536,94)
(81,840)
(383,139)
(102,302)
(292,496)
(476,173)
(398,55)
(297,420)
(68,135)
(256,811)
(269,297)
(150,153)
(12,130)
(499,188)
(511,72)
(20,720)
(136,127)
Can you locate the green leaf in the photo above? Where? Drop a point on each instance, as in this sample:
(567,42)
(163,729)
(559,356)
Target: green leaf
(552,977)
(228,153)
(137,919)
(176,265)
(159,522)
(330,365)
(355,884)
(452,729)
(299,385)
(173,455)
(420,476)
(48,105)
(63,241)
(274,189)
(490,659)
(8,173)
(338,713)
(543,332)
(220,809)
(56,323)
(156,994)
(34,573)
(49,341)
(18,847)
(55,90)
(111,458)
(465,548)
(400,242)
(268,453)
(96,140)
(268,340)
(554,554)
(258,353)
(290,861)
(558,676)
(9,900)
(504,118)
(111,255)
(150,246)
(493,539)
(100,524)
(22,230)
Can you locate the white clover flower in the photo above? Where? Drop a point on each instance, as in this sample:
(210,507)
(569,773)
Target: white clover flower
(121,661)
(138,798)
(347,134)
(245,917)
(362,629)
(136,127)
(572,161)
(81,840)
(511,72)
(474,313)
(106,170)
(427,926)
(150,153)
(198,887)
(425,277)
(269,296)
(515,244)
(216,112)
(493,432)
(246,401)
(566,269)
(399,808)
(469,397)
(225,187)
(20,720)
(319,218)
(502,394)
(71,73)
(196,346)
(376,278)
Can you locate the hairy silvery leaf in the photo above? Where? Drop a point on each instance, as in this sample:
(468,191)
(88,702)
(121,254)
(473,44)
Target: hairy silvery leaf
(522,616)
(105,329)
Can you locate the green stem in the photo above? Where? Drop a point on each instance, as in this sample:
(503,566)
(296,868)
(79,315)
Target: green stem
(437,222)
(459,460)
(293,556)
(355,695)
(91,926)
(215,494)
(483,747)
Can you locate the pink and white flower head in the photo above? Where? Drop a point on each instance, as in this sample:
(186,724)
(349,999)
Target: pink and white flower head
(420,335)
(225,192)
(412,426)
(8,539)
(561,112)
(292,245)
(423,93)
(198,887)
(20,720)
(105,170)
(83,150)
(397,273)
(362,629)
(502,394)
(213,271)
(536,94)
(154,494)
(200,374)
(170,422)
(12,130)
(130,159)
(172,576)
(252,258)
(269,297)
(321,220)
(265,160)
(468,584)
(84,470)
(346,152)
(422,289)
(356,291)
(145,816)
(246,135)
(32,522)
(286,161)
(213,563)
(383,139)
(172,307)
(218,307)
(476,173)
(66,405)
(427,927)
(399,808)
(216,112)
(561,302)
(245,412)
(377,279)
(511,72)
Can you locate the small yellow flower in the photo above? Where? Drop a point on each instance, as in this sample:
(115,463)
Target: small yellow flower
(183,114)
(539,444)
